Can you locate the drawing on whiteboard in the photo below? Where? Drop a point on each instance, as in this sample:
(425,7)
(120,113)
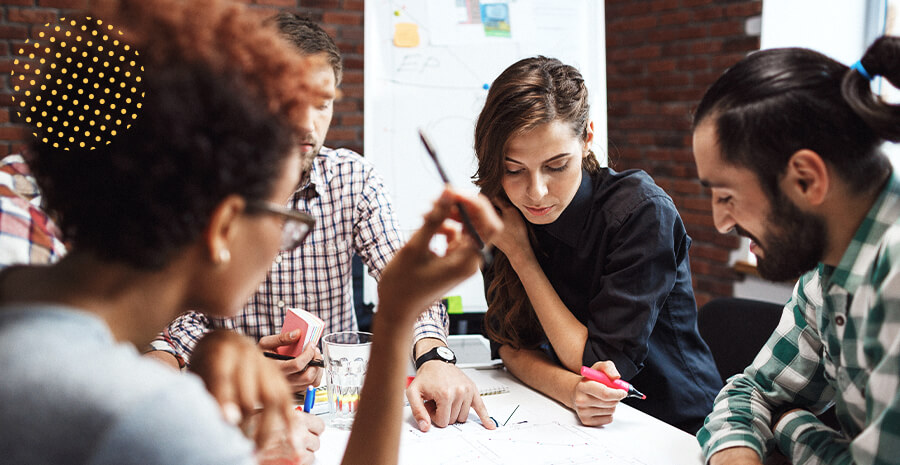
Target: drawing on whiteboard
(440,85)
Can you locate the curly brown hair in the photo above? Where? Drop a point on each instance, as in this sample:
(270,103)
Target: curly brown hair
(220,101)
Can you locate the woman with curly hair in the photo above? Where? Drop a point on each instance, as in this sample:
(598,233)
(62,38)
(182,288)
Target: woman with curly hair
(594,267)
(182,210)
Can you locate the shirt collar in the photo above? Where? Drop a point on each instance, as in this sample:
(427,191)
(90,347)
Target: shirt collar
(321,172)
(862,251)
(567,228)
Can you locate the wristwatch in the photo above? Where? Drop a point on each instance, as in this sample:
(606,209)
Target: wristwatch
(441,353)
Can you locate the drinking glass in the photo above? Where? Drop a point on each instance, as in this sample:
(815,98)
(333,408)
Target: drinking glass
(346,360)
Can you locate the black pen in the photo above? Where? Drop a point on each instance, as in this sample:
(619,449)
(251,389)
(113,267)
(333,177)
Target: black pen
(486,255)
(316,362)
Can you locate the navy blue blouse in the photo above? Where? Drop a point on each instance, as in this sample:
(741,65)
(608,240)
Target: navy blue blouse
(618,258)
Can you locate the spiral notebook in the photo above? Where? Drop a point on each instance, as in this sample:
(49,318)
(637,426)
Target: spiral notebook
(486,385)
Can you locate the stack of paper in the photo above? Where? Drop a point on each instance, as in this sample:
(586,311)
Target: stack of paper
(310,327)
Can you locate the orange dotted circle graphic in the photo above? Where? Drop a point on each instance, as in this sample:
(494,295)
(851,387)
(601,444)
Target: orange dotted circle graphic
(78,84)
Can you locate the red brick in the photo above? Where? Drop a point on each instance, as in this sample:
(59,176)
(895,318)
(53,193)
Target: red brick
(709,252)
(4,115)
(727,28)
(744,9)
(354,5)
(691,3)
(342,18)
(354,119)
(714,12)
(279,3)
(677,17)
(741,44)
(14,133)
(633,24)
(69,4)
(323,4)
(347,106)
(4,150)
(660,5)
(18,2)
(661,65)
(706,46)
(10,31)
(32,15)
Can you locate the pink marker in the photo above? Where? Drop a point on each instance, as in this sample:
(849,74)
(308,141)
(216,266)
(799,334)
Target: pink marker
(601,378)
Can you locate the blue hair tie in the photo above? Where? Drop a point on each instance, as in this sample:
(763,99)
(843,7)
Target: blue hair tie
(859,67)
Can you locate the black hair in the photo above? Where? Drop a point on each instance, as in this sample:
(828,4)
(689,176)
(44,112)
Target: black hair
(199,137)
(310,38)
(215,119)
(776,102)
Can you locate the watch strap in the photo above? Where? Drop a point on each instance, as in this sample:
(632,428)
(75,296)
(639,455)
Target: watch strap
(434,354)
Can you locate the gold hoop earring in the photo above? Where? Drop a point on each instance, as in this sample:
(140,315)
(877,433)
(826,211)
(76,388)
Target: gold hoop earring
(223,257)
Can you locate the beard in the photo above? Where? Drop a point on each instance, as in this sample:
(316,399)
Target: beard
(796,247)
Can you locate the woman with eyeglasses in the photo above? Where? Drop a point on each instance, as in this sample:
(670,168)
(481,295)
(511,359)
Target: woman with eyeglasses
(180,210)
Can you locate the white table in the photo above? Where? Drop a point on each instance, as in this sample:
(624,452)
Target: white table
(541,431)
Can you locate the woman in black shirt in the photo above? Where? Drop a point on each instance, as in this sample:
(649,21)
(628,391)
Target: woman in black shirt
(592,267)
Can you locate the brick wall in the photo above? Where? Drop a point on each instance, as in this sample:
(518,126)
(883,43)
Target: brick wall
(343,19)
(661,57)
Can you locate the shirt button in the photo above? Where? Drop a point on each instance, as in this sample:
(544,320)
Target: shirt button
(278,259)
(280,303)
(839,320)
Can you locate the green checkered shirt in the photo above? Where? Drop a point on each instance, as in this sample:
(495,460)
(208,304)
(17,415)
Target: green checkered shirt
(838,342)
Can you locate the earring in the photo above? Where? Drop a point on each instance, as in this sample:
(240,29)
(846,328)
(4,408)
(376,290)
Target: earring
(224,256)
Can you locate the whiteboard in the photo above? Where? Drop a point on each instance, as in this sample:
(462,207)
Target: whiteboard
(428,65)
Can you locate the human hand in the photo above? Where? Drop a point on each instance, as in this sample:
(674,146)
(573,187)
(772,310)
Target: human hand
(249,389)
(442,394)
(431,274)
(735,456)
(299,447)
(595,403)
(514,237)
(296,371)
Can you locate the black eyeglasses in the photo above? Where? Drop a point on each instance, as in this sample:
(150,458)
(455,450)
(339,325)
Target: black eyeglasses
(297,225)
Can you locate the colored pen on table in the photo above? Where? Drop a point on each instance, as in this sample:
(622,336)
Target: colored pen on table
(601,378)
(486,255)
(309,400)
(312,363)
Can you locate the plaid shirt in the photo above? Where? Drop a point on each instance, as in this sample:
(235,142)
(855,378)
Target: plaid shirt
(353,215)
(27,234)
(838,342)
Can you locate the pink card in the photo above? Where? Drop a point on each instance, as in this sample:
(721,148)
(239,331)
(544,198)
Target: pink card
(310,327)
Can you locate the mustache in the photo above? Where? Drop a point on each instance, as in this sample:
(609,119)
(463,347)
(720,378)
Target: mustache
(743,233)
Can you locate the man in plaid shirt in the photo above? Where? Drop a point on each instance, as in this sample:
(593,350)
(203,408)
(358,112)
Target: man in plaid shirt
(794,163)
(27,234)
(353,215)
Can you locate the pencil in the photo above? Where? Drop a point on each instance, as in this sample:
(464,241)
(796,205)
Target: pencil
(486,255)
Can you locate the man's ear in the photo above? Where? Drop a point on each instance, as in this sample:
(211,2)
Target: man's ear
(806,180)
(222,227)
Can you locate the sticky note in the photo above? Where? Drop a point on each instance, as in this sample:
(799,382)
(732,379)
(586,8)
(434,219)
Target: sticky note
(454,304)
(406,35)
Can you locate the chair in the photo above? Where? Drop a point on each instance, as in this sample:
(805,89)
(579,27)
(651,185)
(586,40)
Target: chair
(735,330)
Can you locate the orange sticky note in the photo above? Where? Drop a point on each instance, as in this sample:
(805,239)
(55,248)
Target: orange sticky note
(406,35)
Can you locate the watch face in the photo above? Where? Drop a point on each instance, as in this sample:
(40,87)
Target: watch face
(445,353)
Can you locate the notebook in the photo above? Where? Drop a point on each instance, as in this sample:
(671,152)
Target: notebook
(310,327)
(486,385)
